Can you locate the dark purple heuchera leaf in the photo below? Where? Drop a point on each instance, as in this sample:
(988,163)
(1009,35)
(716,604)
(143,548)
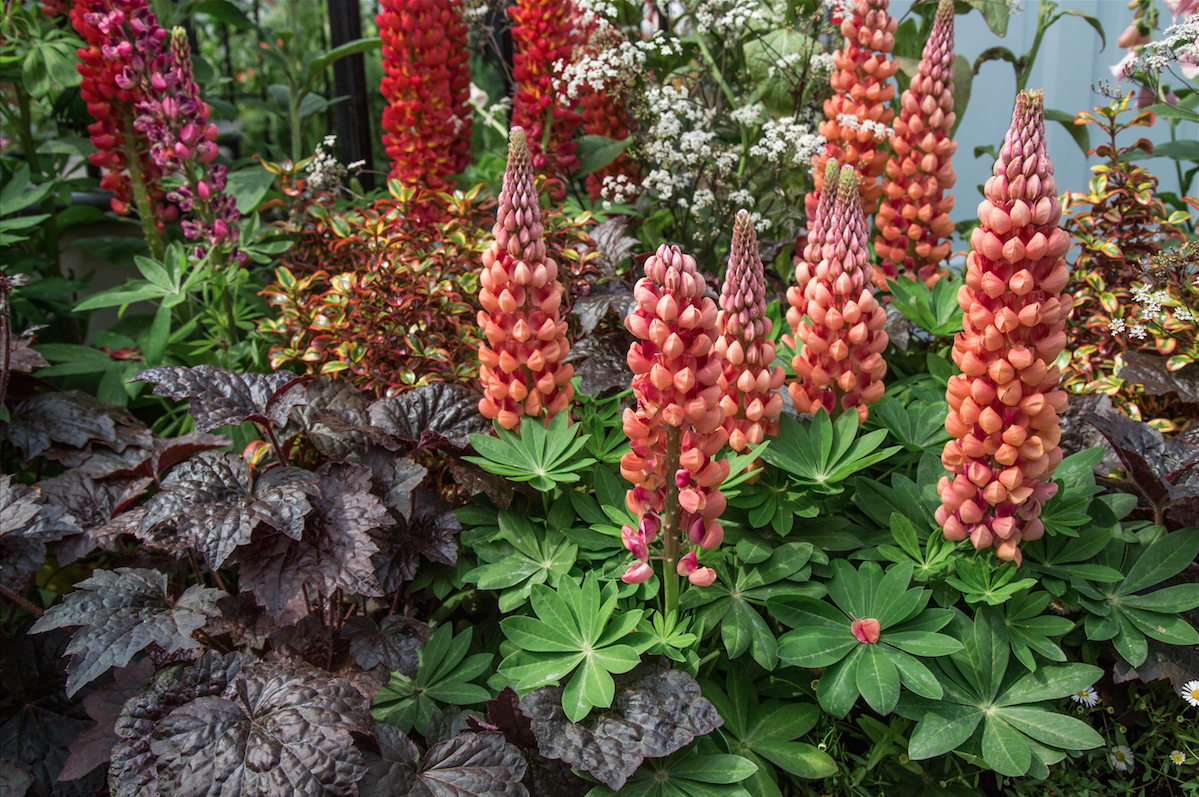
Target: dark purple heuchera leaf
(121,612)
(334,552)
(37,720)
(1150,372)
(429,532)
(278,729)
(451,721)
(27,523)
(94,505)
(469,765)
(334,419)
(219,397)
(212,503)
(22,358)
(600,361)
(163,454)
(71,418)
(15,780)
(1159,469)
(132,772)
(612,244)
(431,413)
(392,644)
(656,711)
(476,480)
(394,479)
(94,746)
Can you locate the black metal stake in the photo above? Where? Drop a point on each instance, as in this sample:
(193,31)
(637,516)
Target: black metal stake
(349,80)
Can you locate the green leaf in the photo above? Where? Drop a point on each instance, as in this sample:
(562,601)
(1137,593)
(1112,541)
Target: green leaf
(249,187)
(224,11)
(68,145)
(800,759)
(923,643)
(878,679)
(1167,556)
(816,647)
(1004,748)
(444,673)
(915,676)
(1051,728)
(323,61)
(1179,598)
(596,152)
(1078,132)
(963,83)
(1049,683)
(937,734)
(776,87)
(532,634)
(1184,150)
(995,12)
(837,690)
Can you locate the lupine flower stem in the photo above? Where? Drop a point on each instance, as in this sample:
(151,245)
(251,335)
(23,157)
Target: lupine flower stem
(141,195)
(671,526)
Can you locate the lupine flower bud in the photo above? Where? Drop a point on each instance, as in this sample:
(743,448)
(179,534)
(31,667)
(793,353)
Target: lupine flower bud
(859,111)
(521,359)
(914,215)
(1004,406)
(427,87)
(841,340)
(749,378)
(544,34)
(676,379)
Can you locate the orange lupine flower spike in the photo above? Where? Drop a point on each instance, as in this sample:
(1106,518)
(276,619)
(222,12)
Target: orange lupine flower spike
(1004,406)
(544,34)
(841,342)
(914,215)
(427,85)
(859,111)
(749,376)
(521,364)
(677,428)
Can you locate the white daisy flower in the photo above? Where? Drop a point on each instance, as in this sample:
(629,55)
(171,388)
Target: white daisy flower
(1190,693)
(1178,757)
(1087,697)
(1121,758)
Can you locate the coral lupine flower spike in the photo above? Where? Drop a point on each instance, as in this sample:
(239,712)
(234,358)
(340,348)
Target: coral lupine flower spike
(1004,406)
(521,359)
(749,377)
(677,427)
(914,215)
(427,85)
(842,339)
(859,111)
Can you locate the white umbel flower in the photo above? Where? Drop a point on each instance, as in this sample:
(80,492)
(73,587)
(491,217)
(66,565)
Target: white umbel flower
(1087,697)
(1190,693)
(1122,758)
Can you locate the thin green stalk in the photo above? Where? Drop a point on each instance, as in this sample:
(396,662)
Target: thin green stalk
(1024,73)
(141,195)
(671,530)
(50,226)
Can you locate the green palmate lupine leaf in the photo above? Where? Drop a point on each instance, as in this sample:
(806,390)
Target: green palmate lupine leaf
(527,554)
(878,679)
(444,675)
(687,773)
(1004,748)
(918,426)
(915,675)
(837,689)
(1056,730)
(816,647)
(821,454)
(543,456)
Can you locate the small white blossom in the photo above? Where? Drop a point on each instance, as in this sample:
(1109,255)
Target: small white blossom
(1121,757)
(1183,314)
(324,171)
(747,114)
(878,131)
(1177,757)
(1117,326)
(787,142)
(1138,331)
(821,66)
(1190,693)
(1086,696)
(742,198)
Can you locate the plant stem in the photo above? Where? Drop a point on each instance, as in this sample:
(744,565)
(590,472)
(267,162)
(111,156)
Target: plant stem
(18,600)
(141,195)
(670,525)
(50,226)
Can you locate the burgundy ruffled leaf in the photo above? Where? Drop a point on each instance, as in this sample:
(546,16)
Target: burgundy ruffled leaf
(1150,371)
(27,523)
(469,765)
(430,533)
(119,613)
(93,747)
(212,502)
(1158,468)
(601,361)
(72,419)
(95,505)
(219,397)
(430,413)
(656,711)
(280,729)
(392,643)
(333,552)
(394,479)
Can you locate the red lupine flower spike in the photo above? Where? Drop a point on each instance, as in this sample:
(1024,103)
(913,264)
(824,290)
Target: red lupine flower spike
(859,111)
(525,337)
(749,378)
(1004,406)
(427,87)
(914,215)
(841,340)
(544,36)
(677,428)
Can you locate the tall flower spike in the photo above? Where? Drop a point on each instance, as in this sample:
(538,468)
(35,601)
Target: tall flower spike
(749,377)
(914,215)
(859,111)
(841,341)
(677,427)
(525,338)
(1004,406)
(544,35)
(427,86)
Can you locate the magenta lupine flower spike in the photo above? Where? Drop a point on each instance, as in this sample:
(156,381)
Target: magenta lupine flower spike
(749,376)
(914,214)
(677,427)
(521,360)
(1004,406)
(840,357)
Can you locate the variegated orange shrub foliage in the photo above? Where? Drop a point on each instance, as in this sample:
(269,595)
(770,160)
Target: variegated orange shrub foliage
(521,364)
(913,218)
(836,321)
(750,378)
(1005,404)
(859,112)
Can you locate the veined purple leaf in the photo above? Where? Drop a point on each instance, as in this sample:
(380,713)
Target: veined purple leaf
(392,643)
(219,397)
(469,765)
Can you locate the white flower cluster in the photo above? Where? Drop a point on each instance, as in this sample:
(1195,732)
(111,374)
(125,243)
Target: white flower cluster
(748,114)
(680,142)
(841,9)
(617,188)
(1179,44)
(612,62)
(786,62)
(324,171)
(821,66)
(742,198)
(787,142)
(1119,327)
(727,18)
(761,223)
(877,130)
(1150,302)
